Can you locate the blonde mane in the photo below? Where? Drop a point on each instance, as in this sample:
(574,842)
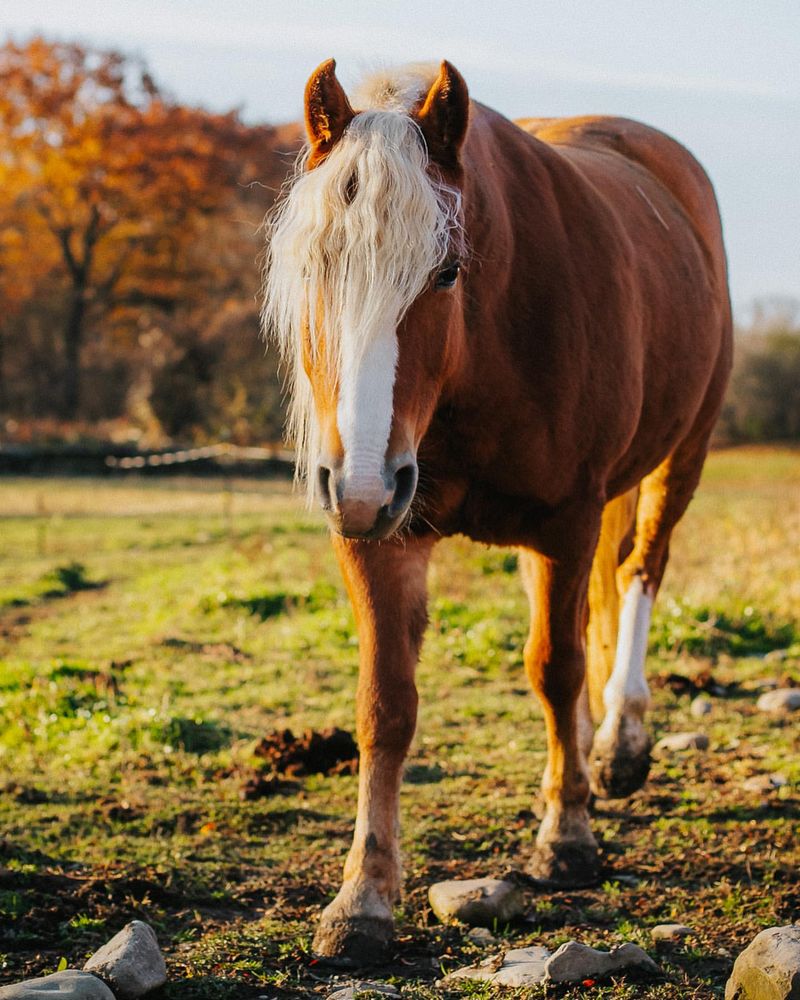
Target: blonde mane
(352,243)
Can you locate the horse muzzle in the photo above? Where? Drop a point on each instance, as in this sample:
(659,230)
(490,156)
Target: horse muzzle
(368,507)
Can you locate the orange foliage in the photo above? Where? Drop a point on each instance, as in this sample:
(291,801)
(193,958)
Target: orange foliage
(115,200)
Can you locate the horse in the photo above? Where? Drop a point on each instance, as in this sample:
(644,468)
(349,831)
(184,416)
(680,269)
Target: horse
(515,331)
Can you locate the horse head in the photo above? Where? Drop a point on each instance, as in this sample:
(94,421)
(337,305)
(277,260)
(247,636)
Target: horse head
(364,287)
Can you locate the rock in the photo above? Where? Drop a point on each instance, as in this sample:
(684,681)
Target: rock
(574,962)
(520,967)
(523,966)
(480,902)
(670,933)
(131,962)
(764,784)
(700,706)
(775,656)
(355,991)
(481,935)
(681,741)
(780,701)
(768,968)
(70,984)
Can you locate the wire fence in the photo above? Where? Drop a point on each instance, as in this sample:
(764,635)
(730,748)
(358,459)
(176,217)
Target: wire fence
(216,459)
(225,454)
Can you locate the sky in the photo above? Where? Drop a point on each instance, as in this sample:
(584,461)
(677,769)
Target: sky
(723,76)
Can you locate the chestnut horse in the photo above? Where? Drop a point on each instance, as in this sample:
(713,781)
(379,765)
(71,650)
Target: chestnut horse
(531,320)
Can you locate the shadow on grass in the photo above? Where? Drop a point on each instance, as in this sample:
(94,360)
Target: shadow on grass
(217,988)
(774,809)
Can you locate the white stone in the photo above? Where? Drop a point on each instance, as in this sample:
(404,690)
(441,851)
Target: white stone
(670,933)
(768,968)
(523,967)
(780,701)
(480,902)
(574,962)
(69,984)
(764,784)
(520,967)
(364,989)
(776,655)
(700,706)
(131,962)
(681,741)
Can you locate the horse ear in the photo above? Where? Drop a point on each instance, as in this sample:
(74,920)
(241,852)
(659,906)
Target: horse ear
(444,116)
(328,112)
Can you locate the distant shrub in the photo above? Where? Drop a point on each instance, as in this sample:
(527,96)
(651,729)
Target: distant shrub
(763,399)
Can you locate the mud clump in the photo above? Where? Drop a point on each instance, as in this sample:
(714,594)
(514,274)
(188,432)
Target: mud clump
(702,682)
(330,751)
(259,787)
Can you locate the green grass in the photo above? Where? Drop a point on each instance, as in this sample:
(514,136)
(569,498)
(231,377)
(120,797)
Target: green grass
(149,637)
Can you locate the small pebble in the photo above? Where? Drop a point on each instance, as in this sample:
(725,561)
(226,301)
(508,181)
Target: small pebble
(363,988)
(764,784)
(682,741)
(781,701)
(700,706)
(670,933)
(481,935)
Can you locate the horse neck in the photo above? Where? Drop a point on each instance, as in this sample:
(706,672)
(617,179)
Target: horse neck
(510,221)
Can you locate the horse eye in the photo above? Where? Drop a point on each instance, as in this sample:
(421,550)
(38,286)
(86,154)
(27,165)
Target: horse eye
(446,278)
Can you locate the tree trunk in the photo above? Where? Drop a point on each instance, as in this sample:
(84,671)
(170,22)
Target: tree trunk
(3,397)
(73,336)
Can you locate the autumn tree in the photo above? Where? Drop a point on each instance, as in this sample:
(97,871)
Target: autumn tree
(107,186)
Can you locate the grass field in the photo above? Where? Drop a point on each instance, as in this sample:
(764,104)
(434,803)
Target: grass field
(152,631)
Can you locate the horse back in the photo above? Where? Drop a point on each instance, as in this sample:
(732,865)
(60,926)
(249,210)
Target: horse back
(665,159)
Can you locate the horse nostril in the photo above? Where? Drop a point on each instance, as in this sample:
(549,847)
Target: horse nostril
(324,487)
(405,482)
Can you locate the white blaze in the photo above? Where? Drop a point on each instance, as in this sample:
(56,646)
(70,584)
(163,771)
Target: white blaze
(352,244)
(364,413)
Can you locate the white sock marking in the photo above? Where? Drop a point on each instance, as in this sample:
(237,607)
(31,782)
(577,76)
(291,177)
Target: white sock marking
(627,688)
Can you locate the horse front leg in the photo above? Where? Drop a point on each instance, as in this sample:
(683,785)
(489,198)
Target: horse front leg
(387,587)
(566,851)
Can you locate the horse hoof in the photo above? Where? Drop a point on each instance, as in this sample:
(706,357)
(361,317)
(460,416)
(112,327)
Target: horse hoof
(618,772)
(565,865)
(354,941)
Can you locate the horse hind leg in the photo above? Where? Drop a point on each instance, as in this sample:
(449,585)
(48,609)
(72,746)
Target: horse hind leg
(620,757)
(616,542)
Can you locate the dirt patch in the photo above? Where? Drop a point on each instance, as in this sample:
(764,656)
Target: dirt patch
(257,786)
(329,751)
(208,650)
(702,681)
